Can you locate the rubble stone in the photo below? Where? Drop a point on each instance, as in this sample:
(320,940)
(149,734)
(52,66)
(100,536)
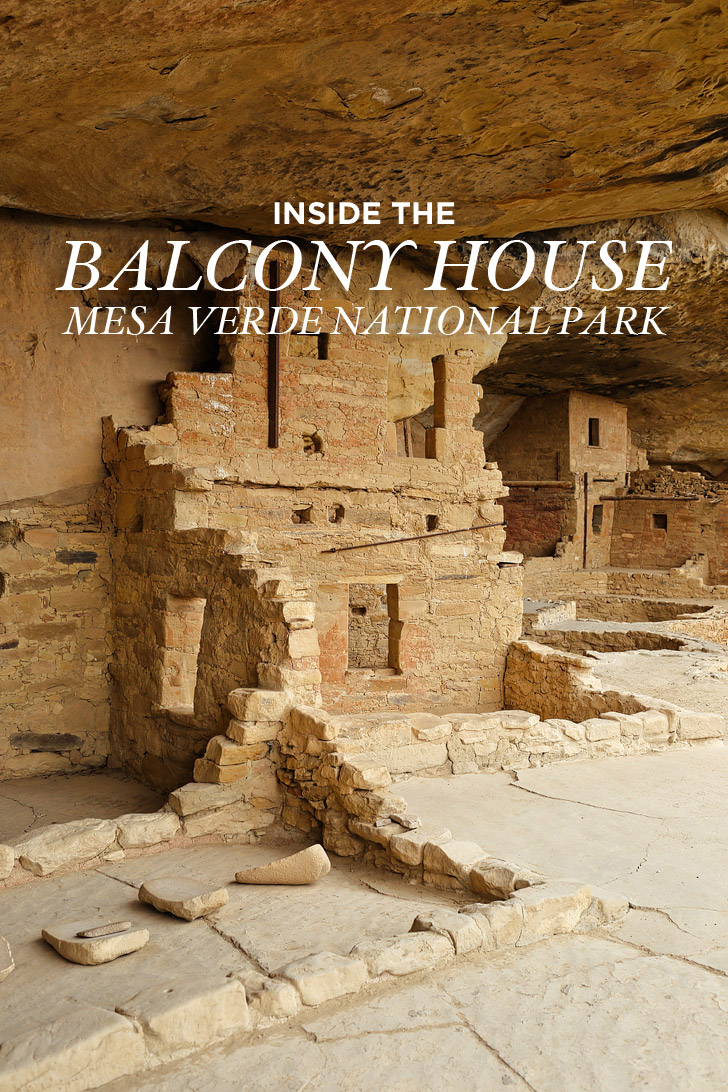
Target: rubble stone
(56,847)
(147,830)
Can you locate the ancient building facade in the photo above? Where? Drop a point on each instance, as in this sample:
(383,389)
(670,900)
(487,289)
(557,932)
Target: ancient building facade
(668,517)
(325,563)
(581,495)
(559,455)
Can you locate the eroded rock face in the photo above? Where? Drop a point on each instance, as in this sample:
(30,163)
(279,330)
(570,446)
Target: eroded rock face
(527,115)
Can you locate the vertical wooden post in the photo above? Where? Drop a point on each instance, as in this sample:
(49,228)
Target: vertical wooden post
(586,517)
(274,358)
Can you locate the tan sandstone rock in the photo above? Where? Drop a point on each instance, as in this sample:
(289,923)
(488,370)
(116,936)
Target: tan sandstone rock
(64,937)
(461,929)
(177,1017)
(66,844)
(7,861)
(321,977)
(404,955)
(136,831)
(183,897)
(309,865)
(84,1047)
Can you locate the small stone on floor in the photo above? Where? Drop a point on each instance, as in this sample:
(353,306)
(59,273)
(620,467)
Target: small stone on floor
(90,951)
(300,868)
(183,897)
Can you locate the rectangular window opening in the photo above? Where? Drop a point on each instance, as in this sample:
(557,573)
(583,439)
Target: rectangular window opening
(597,518)
(659,521)
(182,631)
(312,345)
(593,432)
(371,627)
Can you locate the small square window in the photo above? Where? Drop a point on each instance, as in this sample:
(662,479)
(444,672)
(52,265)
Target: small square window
(659,521)
(593,432)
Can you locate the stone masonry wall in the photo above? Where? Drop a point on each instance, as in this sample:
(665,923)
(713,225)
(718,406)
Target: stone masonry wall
(55,635)
(538,518)
(693,526)
(556,685)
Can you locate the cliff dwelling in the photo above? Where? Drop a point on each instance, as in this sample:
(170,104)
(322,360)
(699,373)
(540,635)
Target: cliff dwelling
(363,591)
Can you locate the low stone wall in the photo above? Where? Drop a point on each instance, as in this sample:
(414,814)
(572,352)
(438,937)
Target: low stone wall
(711,626)
(558,684)
(195,814)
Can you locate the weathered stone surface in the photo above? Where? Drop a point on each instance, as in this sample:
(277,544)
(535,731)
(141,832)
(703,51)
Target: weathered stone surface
(71,843)
(410,846)
(321,977)
(215,774)
(427,727)
(700,725)
(238,818)
(179,1016)
(7,861)
(309,865)
(404,955)
(147,830)
(268,998)
(226,752)
(7,963)
(498,879)
(83,1048)
(461,929)
(314,722)
(196,797)
(183,897)
(258,704)
(364,773)
(64,937)
(248,732)
(455,858)
(551,908)
(500,922)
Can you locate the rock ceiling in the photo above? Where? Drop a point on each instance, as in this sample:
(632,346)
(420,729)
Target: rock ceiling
(531,116)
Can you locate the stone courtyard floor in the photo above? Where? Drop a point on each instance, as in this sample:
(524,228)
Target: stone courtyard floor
(641,1005)
(28,803)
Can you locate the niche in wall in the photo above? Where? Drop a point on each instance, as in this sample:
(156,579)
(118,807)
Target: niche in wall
(182,630)
(369,626)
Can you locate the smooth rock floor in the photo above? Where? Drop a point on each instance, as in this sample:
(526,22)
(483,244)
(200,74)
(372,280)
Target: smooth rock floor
(642,1006)
(28,803)
(651,827)
(576,1014)
(261,926)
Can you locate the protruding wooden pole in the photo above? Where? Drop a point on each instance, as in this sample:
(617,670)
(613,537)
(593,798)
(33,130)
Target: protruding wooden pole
(274,358)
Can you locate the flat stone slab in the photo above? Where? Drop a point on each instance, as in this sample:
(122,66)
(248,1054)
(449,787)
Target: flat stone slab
(90,951)
(7,964)
(300,868)
(183,897)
